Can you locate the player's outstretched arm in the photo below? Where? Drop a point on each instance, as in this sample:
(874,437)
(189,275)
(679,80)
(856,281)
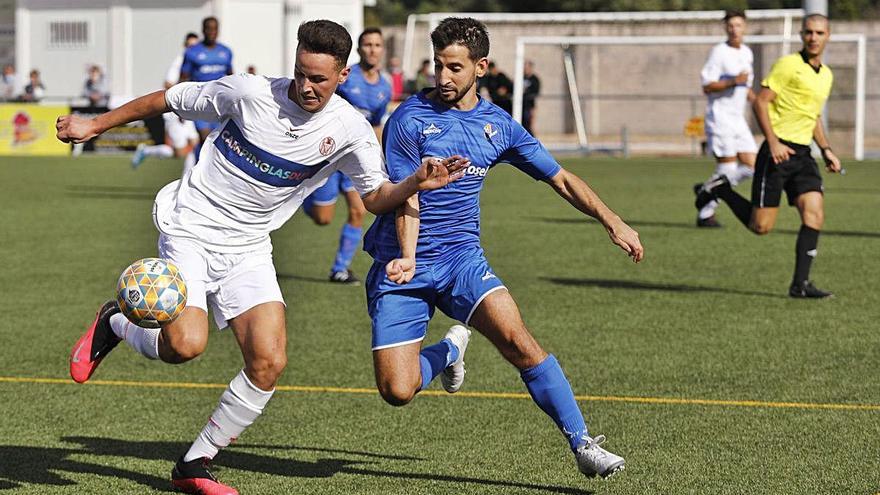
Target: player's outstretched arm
(433,173)
(76,129)
(579,194)
(401,270)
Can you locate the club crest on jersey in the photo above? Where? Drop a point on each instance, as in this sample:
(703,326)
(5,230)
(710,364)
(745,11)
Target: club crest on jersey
(489,131)
(327,146)
(432,129)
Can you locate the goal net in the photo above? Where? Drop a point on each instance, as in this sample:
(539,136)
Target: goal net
(642,93)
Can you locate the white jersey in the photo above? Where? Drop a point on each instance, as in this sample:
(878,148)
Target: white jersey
(726,109)
(173,74)
(266,157)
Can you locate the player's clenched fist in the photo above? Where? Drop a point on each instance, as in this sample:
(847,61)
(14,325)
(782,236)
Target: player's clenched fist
(400,270)
(75,129)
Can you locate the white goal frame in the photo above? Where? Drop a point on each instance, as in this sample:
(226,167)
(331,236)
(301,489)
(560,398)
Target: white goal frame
(563,41)
(787,16)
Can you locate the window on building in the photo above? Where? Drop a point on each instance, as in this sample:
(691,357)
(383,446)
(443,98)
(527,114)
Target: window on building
(68,34)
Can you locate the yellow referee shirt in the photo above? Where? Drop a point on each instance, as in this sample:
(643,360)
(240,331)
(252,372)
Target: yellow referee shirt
(801,91)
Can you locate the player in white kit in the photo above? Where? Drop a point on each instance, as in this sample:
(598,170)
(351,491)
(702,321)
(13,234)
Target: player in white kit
(181,136)
(278,140)
(727,81)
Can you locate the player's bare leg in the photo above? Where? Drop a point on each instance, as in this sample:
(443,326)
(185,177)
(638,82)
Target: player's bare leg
(498,318)
(398,373)
(402,371)
(260,332)
(763,220)
(811,207)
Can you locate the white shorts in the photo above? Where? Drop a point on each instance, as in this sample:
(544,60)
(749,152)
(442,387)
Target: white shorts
(731,141)
(230,283)
(180,132)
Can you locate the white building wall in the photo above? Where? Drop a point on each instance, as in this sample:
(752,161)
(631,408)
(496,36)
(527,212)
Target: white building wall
(136,40)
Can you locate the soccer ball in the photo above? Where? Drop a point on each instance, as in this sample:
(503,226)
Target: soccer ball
(151,292)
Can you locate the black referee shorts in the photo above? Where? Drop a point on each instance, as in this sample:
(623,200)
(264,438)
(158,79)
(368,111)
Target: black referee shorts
(796,176)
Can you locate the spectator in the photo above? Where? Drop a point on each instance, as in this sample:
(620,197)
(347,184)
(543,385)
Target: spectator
(425,76)
(8,83)
(397,82)
(95,88)
(252,70)
(34,91)
(500,88)
(531,90)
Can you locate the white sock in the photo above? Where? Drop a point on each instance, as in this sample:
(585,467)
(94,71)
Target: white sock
(743,173)
(240,405)
(188,162)
(144,341)
(160,150)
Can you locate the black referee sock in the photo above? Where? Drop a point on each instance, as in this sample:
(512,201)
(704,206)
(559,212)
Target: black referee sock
(805,251)
(740,206)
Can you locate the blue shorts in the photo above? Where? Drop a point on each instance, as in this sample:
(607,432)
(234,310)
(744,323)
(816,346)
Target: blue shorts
(400,313)
(206,124)
(336,184)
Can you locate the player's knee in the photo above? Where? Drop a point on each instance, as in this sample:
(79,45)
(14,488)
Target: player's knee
(761,228)
(181,348)
(814,219)
(397,394)
(321,218)
(264,372)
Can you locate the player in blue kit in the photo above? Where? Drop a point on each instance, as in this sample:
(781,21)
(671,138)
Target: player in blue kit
(369,91)
(207,60)
(428,254)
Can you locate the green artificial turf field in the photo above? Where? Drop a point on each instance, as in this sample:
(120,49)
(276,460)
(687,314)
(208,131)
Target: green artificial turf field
(695,364)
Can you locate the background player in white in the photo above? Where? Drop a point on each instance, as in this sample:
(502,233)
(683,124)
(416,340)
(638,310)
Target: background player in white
(181,136)
(215,222)
(727,81)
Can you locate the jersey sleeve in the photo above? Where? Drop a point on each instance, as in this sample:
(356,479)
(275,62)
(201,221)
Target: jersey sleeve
(401,147)
(188,64)
(779,76)
(363,163)
(529,155)
(210,100)
(711,69)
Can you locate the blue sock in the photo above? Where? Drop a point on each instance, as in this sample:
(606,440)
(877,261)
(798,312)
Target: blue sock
(551,391)
(434,359)
(348,244)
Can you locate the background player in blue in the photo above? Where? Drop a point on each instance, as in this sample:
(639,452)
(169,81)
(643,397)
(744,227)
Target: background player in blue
(428,254)
(369,91)
(207,60)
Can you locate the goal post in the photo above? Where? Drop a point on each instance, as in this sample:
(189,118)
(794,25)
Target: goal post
(568,41)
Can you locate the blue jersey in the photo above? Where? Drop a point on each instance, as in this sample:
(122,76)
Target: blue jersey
(450,216)
(371,99)
(206,64)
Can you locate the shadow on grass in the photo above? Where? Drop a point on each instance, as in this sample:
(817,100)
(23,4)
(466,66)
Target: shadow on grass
(45,465)
(636,285)
(302,278)
(691,226)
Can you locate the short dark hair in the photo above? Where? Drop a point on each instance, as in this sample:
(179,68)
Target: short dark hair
(366,32)
(323,36)
(190,36)
(465,31)
(208,19)
(730,14)
(812,17)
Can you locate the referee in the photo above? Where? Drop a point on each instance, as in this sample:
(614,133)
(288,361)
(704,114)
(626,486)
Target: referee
(788,109)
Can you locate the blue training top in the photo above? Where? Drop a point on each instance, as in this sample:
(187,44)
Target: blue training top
(450,216)
(371,99)
(207,64)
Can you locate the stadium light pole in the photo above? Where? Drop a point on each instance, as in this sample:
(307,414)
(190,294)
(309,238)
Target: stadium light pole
(816,7)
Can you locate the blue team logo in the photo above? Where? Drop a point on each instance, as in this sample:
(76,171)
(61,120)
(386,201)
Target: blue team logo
(259,163)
